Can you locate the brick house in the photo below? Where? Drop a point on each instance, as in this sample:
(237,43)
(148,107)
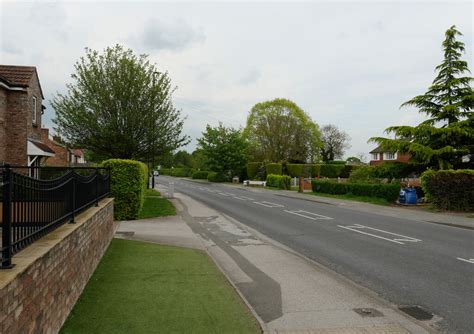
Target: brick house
(64,156)
(21,110)
(379,156)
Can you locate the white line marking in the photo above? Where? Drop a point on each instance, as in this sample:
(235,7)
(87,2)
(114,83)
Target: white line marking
(247,198)
(240,197)
(357,228)
(308,214)
(225,194)
(466,260)
(269,204)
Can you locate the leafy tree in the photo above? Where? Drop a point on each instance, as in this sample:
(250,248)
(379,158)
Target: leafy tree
(119,106)
(355,160)
(335,142)
(183,159)
(199,159)
(448,134)
(224,149)
(279,130)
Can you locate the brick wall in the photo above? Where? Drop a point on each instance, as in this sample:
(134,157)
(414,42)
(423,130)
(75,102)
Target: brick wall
(16,125)
(37,295)
(3,125)
(34,131)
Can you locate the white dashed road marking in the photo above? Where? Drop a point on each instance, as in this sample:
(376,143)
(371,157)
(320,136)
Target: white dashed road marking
(400,240)
(306,214)
(466,260)
(269,204)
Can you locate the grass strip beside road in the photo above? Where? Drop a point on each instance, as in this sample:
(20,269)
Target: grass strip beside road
(350,197)
(142,287)
(155,206)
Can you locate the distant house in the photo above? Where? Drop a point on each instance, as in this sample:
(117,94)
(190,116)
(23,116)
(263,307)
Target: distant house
(379,156)
(65,156)
(21,110)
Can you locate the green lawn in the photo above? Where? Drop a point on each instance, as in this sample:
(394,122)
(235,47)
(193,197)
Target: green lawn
(155,206)
(367,199)
(142,287)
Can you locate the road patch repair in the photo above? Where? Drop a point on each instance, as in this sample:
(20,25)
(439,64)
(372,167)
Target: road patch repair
(285,291)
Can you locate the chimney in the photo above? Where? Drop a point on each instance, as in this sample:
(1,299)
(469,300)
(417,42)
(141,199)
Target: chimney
(57,139)
(44,134)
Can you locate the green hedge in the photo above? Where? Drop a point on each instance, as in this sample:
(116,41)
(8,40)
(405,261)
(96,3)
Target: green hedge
(216,177)
(389,192)
(274,168)
(200,175)
(315,170)
(127,185)
(449,189)
(279,181)
(254,170)
(182,172)
(331,171)
(294,170)
(337,162)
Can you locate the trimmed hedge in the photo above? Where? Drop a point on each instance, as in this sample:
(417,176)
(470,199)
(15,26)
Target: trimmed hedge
(274,168)
(165,171)
(253,168)
(315,170)
(128,183)
(182,172)
(216,177)
(200,175)
(331,171)
(294,170)
(389,192)
(449,189)
(279,181)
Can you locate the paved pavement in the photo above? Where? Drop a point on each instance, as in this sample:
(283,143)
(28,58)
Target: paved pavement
(287,292)
(403,260)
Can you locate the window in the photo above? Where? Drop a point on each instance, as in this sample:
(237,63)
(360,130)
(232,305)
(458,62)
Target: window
(375,156)
(390,156)
(33,116)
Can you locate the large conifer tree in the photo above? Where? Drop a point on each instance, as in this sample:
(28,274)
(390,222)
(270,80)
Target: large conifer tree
(448,134)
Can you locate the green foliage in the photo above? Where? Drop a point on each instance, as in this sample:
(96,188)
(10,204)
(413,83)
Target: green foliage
(279,181)
(279,130)
(224,149)
(216,177)
(449,189)
(182,172)
(389,192)
(127,185)
(337,162)
(294,170)
(347,170)
(331,171)
(165,171)
(315,170)
(253,169)
(274,168)
(119,106)
(200,175)
(448,134)
(387,170)
(334,143)
(182,159)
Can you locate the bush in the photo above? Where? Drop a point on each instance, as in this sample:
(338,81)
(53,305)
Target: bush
(315,170)
(347,170)
(279,181)
(389,192)
(449,189)
(294,170)
(364,174)
(127,185)
(200,175)
(216,177)
(331,171)
(337,162)
(273,168)
(182,172)
(253,169)
(165,171)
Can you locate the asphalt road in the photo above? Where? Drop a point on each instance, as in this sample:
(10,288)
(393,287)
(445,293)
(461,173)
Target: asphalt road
(406,262)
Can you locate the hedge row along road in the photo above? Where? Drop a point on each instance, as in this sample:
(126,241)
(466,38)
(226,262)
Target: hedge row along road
(406,262)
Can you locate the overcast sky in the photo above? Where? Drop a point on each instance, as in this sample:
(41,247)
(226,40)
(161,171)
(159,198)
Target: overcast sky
(347,63)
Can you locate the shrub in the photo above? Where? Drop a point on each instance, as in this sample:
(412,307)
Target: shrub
(200,175)
(274,168)
(347,170)
(127,185)
(331,171)
(364,174)
(294,170)
(449,189)
(315,170)
(216,177)
(337,162)
(279,181)
(253,169)
(389,192)
(182,172)
(165,171)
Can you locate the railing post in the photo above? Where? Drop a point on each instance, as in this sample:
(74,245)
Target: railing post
(97,187)
(7,218)
(73,197)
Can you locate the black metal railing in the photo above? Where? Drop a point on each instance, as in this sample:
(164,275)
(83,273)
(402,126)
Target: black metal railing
(33,207)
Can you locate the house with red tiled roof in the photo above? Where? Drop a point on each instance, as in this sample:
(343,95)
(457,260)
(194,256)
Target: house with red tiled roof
(64,156)
(378,156)
(21,109)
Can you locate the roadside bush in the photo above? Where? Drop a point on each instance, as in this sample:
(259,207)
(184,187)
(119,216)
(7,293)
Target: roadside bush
(165,171)
(315,170)
(200,175)
(216,177)
(337,162)
(389,192)
(347,170)
(127,185)
(295,170)
(182,172)
(279,181)
(274,168)
(364,174)
(331,171)
(449,189)
(253,169)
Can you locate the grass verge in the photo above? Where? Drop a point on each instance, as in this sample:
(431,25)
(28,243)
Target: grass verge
(141,287)
(366,199)
(155,206)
